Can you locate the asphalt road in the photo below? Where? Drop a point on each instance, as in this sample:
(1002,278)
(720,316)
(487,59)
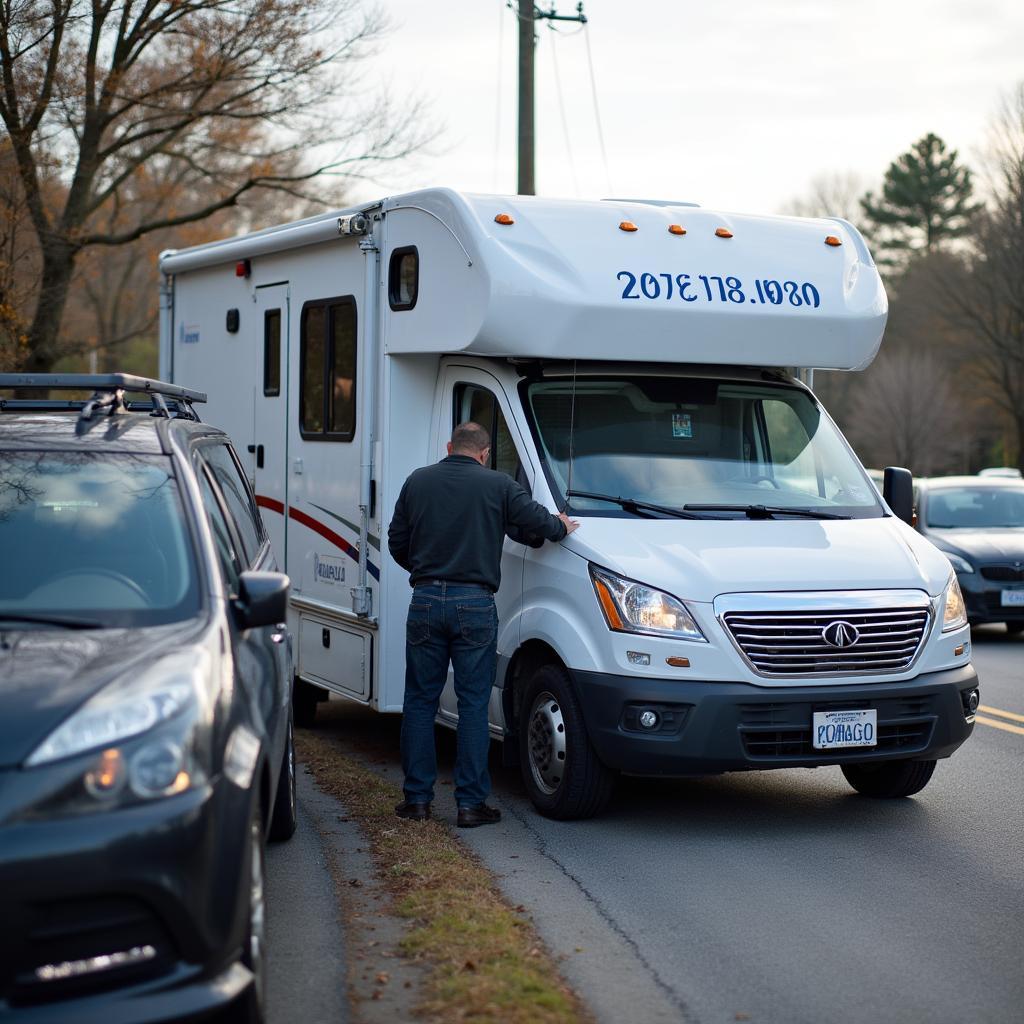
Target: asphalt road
(779,896)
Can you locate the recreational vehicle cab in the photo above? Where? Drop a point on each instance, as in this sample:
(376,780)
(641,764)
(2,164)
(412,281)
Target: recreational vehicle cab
(738,596)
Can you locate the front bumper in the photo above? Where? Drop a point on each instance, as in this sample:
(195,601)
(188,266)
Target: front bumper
(984,599)
(709,727)
(166,878)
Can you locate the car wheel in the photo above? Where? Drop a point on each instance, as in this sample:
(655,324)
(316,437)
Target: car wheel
(1014,627)
(305,697)
(889,779)
(254,950)
(562,773)
(282,824)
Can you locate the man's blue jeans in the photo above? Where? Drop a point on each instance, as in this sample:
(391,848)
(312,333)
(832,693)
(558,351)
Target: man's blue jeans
(454,622)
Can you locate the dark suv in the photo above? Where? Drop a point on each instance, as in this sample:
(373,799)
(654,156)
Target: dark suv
(145,728)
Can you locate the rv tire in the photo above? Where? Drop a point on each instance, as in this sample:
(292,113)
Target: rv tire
(888,780)
(562,773)
(305,698)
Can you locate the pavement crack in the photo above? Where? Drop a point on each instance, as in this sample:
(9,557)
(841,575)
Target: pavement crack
(542,847)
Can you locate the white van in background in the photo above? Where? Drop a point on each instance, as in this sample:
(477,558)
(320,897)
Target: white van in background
(738,597)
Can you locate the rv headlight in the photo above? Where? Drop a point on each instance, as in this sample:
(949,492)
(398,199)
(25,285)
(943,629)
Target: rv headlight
(141,737)
(959,563)
(631,607)
(954,615)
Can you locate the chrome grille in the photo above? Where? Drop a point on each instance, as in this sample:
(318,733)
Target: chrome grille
(792,643)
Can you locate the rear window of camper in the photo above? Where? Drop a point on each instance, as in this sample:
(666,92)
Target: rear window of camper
(327,390)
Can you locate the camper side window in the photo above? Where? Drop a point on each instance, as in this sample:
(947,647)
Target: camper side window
(272,352)
(327,352)
(473,402)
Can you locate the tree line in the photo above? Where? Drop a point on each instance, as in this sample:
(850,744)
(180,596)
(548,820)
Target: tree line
(946,393)
(135,125)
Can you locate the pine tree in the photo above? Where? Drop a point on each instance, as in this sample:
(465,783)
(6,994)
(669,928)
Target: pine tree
(925,202)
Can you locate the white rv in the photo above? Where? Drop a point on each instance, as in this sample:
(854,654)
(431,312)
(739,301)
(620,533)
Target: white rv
(737,597)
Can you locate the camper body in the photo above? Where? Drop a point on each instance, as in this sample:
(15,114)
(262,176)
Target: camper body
(737,596)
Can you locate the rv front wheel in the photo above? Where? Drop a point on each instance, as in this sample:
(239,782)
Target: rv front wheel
(889,779)
(561,771)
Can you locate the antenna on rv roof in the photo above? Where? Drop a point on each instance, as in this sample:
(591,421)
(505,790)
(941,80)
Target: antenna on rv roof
(572,431)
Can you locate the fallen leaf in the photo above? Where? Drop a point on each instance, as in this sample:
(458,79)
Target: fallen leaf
(376,994)
(742,1016)
(383,978)
(355,883)
(469,965)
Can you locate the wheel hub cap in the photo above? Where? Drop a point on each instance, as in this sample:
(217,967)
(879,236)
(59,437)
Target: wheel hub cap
(547,743)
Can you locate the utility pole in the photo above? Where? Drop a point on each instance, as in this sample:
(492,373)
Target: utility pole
(528,15)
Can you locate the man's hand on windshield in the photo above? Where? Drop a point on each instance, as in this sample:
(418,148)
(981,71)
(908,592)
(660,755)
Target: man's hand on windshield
(570,524)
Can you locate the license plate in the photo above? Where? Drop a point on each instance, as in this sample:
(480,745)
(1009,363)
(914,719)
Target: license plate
(1013,599)
(834,729)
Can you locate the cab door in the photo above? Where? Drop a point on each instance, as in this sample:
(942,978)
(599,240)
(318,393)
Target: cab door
(268,454)
(473,394)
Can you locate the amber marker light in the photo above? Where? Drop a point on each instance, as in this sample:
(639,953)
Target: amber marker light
(611,612)
(627,225)
(504,218)
(676,229)
(678,662)
(833,240)
(723,232)
(107,774)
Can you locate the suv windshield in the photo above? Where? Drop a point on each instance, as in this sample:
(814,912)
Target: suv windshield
(975,508)
(93,540)
(688,443)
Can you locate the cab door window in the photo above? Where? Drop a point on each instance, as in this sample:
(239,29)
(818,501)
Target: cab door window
(476,403)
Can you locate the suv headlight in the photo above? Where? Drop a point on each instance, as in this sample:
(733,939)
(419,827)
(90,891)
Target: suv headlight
(631,607)
(141,737)
(954,614)
(959,563)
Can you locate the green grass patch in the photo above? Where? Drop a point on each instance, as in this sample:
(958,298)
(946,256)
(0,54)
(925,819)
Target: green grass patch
(486,961)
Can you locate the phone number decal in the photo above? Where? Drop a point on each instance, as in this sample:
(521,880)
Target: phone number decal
(711,288)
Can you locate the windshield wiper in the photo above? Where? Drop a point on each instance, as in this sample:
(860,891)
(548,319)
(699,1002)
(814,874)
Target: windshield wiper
(640,507)
(66,621)
(767,511)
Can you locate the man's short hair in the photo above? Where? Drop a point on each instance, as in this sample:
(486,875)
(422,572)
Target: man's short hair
(470,438)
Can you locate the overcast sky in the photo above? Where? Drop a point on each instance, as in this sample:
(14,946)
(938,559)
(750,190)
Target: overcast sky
(733,105)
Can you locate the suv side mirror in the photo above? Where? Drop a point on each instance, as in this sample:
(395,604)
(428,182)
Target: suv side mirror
(898,492)
(262,599)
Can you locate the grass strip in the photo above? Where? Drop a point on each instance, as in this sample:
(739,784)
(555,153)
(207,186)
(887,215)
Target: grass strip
(486,961)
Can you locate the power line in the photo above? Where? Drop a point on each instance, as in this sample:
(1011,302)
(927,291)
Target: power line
(597,110)
(497,113)
(565,121)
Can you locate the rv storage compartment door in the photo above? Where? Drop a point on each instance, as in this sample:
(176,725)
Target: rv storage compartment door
(336,658)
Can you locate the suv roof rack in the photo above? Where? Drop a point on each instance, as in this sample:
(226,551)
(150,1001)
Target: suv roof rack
(108,393)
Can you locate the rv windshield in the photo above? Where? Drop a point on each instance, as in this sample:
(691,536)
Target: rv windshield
(720,448)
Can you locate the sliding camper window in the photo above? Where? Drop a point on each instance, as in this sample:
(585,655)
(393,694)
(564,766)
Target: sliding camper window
(327,391)
(272,352)
(476,403)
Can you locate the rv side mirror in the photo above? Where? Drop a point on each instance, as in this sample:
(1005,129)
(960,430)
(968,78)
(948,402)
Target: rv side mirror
(898,492)
(262,599)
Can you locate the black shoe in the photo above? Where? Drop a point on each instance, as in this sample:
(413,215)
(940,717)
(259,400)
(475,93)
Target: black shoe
(472,817)
(413,811)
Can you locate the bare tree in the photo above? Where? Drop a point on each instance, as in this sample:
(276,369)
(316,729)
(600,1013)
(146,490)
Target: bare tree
(831,194)
(907,414)
(986,297)
(215,98)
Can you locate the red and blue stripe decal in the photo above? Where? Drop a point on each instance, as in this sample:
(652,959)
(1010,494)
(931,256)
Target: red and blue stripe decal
(273,505)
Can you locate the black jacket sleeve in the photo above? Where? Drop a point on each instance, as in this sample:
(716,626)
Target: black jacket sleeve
(398,533)
(527,521)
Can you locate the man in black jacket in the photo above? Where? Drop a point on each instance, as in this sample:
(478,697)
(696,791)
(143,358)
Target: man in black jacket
(448,530)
